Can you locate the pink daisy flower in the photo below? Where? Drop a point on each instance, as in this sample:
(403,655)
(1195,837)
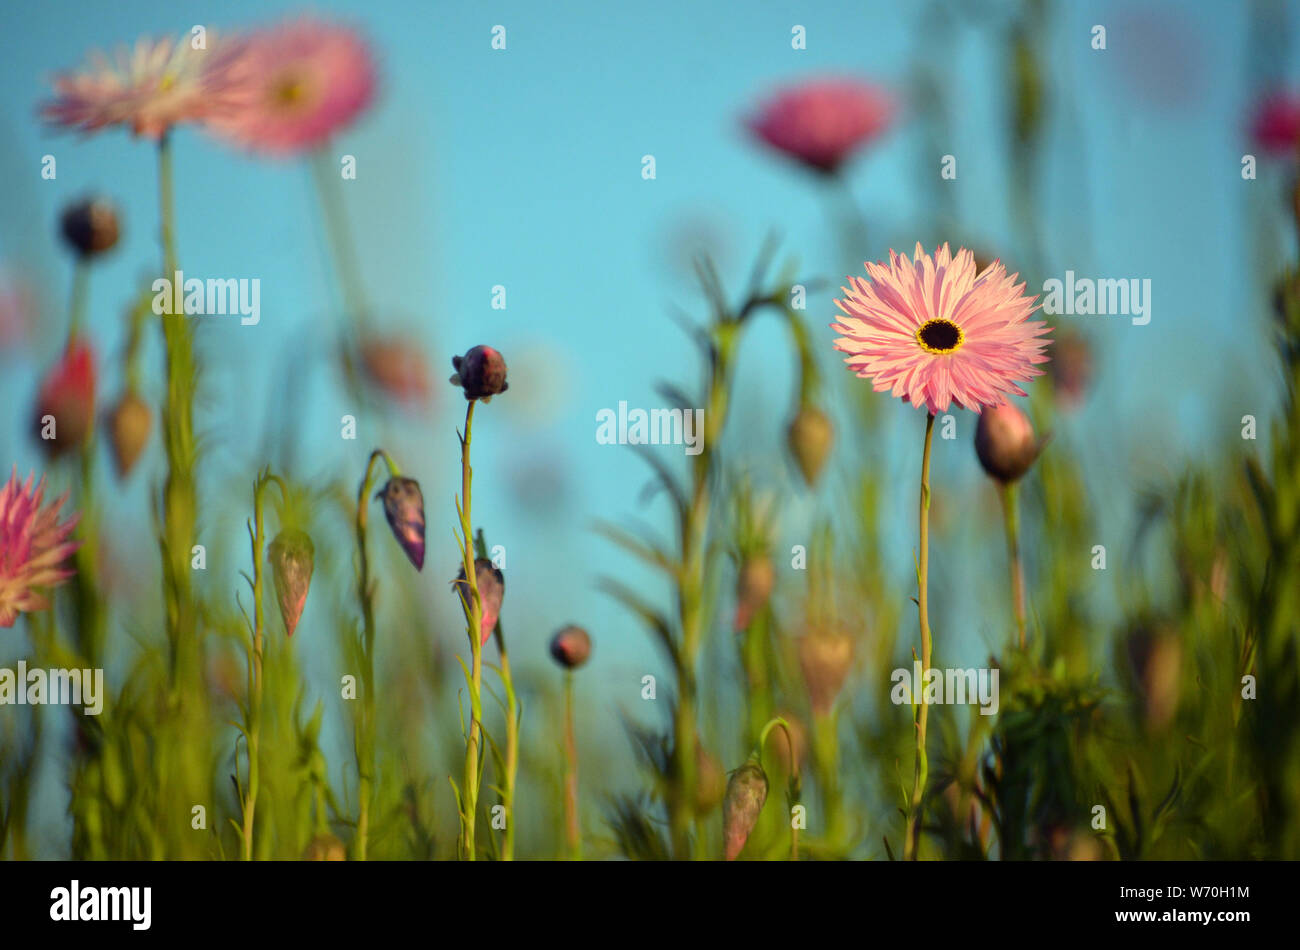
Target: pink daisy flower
(33,547)
(150,88)
(822,122)
(1277,123)
(293,86)
(937,331)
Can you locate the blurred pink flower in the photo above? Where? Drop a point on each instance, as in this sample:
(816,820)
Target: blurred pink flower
(937,332)
(67,394)
(17,310)
(822,122)
(150,87)
(293,86)
(1276,125)
(33,547)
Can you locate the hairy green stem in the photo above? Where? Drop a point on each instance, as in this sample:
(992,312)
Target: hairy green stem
(474,612)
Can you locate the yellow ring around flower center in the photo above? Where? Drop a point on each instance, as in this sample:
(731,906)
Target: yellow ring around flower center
(940,337)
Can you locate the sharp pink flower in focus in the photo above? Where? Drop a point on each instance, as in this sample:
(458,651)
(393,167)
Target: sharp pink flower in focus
(936,331)
(293,86)
(822,122)
(33,547)
(149,87)
(1276,126)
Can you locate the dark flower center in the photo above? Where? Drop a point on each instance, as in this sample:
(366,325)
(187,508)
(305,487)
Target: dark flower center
(939,336)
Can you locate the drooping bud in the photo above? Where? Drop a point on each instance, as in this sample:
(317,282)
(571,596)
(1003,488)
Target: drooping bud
(67,398)
(824,658)
(571,646)
(129,423)
(90,226)
(491,585)
(753,588)
(810,437)
(404,509)
(292,557)
(481,373)
(746,793)
(1005,442)
(397,368)
(325,847)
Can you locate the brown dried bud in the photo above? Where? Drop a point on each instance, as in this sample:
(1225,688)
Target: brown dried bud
(90,226)
(571,647)
(325,847)
(810,437)
(481,373)
(129,423)
(292,557)
(1005,442)
(825,658)
(746,793)
(1071,368)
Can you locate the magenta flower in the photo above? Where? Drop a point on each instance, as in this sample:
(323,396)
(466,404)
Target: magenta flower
(33,547)
(822,122)
(404,509)
(149,88)
(293,86)
(491,584)
(935,332)
(1276,126)
(67,395)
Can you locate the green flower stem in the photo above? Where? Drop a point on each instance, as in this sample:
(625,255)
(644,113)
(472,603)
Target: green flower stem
(795,782)
(253,722)
(77,305)
(1008,494)
(474,611)
(364,728)
(572,829)
(921,709)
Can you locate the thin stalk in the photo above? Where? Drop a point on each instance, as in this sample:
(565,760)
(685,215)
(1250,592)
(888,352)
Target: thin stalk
(573,832)
(255,657)
(921,709)
(363,740)
(771,724)
(512,748)
(1009,496)
(474,611)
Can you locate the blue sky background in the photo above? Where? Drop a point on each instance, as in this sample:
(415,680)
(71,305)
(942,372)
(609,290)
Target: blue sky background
(523,168)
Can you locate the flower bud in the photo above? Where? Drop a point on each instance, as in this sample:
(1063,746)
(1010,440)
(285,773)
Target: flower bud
(571,647)
(129,423)
(404,509)
(491,585)
(67,394)
(1005,442)
(810,437)
(746,793)
(396,367)
(824,658)
(481,373)
(1071,369)
(90,226)
(292,557)
(753,588)
(325,847)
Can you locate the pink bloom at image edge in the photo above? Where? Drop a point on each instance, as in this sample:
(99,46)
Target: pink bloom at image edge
(935,332)
(149,87)
(1276,125)
(33,547)
(822,122)
(293,85)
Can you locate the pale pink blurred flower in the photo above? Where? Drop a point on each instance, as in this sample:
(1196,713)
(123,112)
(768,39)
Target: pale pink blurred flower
(937,331)
(17,309)
(293,86)
(33,547)
(822,122)
(1276,125)
(149,87)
